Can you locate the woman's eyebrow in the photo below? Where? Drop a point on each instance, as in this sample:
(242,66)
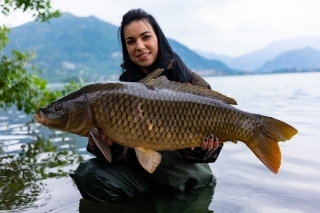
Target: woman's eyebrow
(144,33)
(140,35)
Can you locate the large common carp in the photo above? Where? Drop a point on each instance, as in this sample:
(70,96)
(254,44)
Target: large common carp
(158,114)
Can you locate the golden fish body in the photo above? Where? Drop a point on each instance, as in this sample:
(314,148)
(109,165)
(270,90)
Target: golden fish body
(158,114)
(133,115)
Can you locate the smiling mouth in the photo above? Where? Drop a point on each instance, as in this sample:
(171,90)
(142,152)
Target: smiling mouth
(143,55)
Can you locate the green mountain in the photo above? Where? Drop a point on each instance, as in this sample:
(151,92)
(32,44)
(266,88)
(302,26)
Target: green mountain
(69,47)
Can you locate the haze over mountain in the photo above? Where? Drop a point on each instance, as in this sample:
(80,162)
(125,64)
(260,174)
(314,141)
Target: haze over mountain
(199,64)
(256,59)
(294,60)
(70,46)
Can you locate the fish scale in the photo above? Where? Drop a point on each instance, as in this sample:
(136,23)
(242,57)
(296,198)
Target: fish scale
(157,114)
(190,114)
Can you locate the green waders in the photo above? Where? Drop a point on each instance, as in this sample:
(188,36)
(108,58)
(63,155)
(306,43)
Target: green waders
(101,181)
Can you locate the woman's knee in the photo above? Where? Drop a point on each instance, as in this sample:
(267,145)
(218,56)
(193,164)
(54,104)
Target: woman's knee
(91,178)
(101,181)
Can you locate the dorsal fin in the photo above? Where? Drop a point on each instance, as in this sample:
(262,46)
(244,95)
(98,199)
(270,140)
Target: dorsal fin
(152,82)
(154,74)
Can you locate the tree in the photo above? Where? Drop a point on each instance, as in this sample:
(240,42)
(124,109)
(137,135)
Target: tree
(41,9)
(20,84)
(21,174)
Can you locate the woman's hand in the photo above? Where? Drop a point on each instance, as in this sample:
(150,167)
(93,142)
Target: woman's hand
(207,153)
(209,143)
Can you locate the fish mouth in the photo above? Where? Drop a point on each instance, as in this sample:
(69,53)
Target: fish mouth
(40,118)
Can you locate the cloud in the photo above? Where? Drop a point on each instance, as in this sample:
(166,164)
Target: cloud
(232,27)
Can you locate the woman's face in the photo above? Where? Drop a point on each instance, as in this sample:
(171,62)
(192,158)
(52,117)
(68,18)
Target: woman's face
(141,42)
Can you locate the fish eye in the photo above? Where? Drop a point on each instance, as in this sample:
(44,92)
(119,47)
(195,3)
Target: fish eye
(57,107)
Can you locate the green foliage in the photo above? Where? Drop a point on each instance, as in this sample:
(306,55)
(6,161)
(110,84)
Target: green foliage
(41,9)
(3,37)
(21,174)
(20,84)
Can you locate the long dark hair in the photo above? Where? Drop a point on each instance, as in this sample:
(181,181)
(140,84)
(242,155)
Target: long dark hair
(132,72)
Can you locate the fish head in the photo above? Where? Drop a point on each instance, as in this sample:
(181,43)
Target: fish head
(69,114)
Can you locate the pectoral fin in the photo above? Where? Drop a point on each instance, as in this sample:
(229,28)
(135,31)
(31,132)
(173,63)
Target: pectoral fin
(102,145)
(149,159)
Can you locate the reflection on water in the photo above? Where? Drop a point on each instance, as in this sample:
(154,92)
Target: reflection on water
(155,201)
(34,168)
(22,171)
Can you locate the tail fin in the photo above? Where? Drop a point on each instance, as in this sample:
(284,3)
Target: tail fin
(264,144)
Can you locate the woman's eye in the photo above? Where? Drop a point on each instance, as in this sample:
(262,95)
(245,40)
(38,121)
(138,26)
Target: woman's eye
(146,37)
(130,42)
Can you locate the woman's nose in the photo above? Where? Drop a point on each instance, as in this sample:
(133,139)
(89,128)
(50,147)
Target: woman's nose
(140,45)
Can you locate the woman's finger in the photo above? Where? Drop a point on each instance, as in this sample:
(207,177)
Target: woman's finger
(204,143)
(215,143)
(210,143)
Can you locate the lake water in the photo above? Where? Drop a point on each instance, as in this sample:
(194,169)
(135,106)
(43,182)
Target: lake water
(244,183)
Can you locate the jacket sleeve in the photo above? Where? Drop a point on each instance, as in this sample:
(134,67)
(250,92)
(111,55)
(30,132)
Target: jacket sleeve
(198,155)
(201,156)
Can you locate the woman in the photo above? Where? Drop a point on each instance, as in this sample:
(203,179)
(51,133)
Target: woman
(145,48)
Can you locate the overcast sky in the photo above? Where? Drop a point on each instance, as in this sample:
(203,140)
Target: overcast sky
(229,27)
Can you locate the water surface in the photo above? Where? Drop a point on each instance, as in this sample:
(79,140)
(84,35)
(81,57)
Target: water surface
(244,183)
